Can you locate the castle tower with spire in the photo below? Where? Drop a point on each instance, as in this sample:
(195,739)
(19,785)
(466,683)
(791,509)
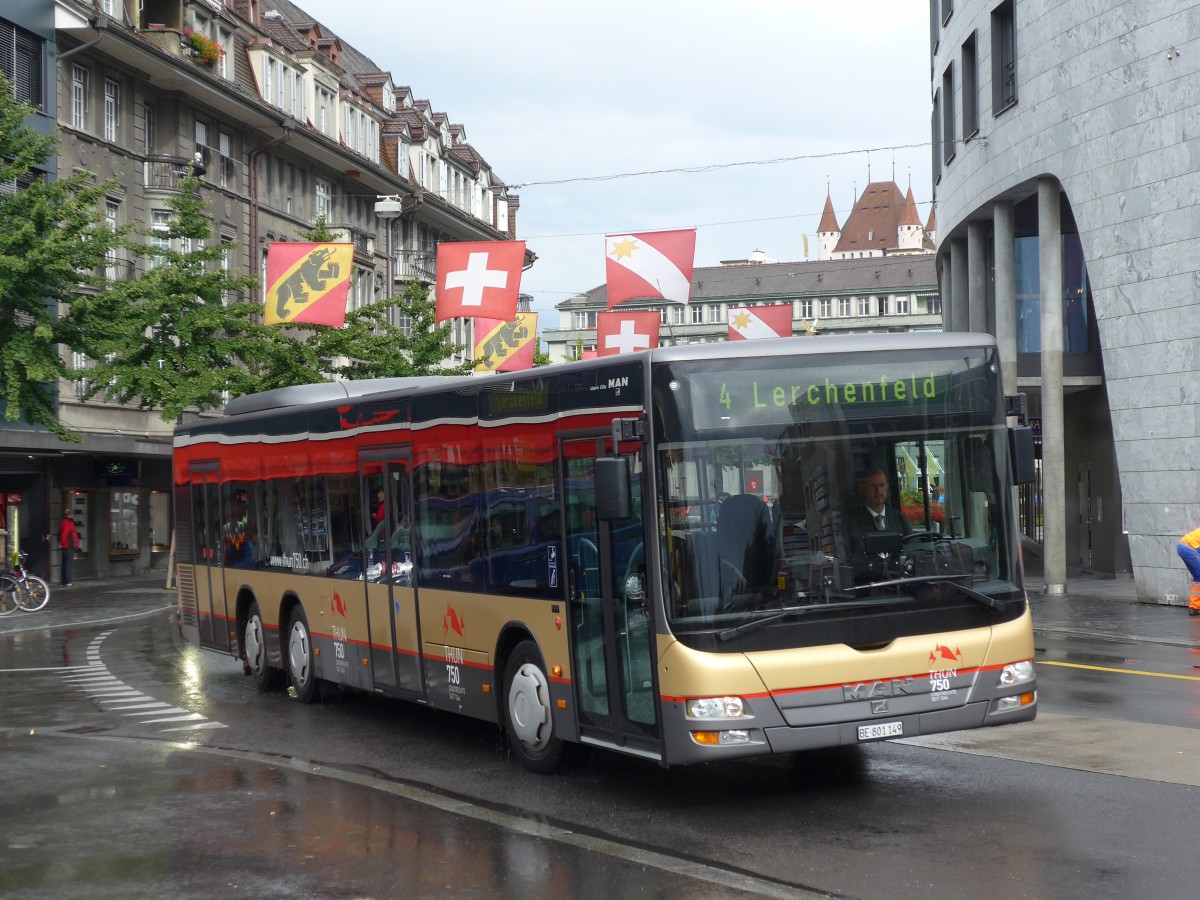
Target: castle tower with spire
(828,232)
(910,232)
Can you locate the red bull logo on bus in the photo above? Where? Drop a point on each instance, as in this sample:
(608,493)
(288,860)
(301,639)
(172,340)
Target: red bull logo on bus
(451,622)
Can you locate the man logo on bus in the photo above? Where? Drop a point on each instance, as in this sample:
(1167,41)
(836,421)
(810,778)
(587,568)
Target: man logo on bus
(337,606)
(451,622)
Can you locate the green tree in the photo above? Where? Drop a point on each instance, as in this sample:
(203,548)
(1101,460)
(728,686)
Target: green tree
(369,345)
(540,358)
(374,348)
(53,241)
(183,334)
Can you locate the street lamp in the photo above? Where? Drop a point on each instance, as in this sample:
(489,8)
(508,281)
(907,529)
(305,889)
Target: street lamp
(389,208)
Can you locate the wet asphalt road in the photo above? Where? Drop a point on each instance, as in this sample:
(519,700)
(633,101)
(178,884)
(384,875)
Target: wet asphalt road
(225,791)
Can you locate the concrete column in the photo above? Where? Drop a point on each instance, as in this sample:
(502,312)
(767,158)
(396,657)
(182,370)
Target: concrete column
(1054,495)
(1006,291)
(946,266)
(977,277)
(958,286)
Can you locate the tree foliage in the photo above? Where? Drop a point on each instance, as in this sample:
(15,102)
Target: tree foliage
(184,335)
(53,241)
(370,346)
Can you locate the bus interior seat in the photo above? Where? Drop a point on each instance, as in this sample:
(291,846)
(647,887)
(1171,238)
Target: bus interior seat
(744,530)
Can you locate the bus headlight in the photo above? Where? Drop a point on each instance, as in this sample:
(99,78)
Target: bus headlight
(716,708)
(1016,673)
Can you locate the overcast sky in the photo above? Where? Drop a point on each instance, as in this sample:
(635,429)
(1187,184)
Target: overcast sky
(560,89)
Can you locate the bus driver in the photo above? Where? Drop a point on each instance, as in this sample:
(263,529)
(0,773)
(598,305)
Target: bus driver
(873,517)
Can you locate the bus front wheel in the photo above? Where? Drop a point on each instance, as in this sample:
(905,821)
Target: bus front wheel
(300,658)
(529,717)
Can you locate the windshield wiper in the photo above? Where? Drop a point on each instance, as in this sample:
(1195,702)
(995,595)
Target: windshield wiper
(754,624)
(990,602)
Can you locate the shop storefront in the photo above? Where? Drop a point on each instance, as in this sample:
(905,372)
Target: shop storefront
(122,510)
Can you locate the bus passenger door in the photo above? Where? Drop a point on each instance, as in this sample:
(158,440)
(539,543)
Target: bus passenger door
(613,657)
(214,622)
(388,571)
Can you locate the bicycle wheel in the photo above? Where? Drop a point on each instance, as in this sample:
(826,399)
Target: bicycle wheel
(11,593)
(36,594)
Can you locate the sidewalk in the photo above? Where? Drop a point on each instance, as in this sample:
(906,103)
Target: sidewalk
(95,601)
(1098,606)
(1094,606)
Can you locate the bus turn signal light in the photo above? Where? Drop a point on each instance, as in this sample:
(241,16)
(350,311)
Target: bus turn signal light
(721,738)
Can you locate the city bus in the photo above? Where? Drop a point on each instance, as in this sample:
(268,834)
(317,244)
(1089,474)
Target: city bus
(650,553)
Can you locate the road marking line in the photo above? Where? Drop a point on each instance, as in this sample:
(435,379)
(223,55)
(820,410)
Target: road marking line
(155,712)
(1067,665)
(196,726)
(114,695)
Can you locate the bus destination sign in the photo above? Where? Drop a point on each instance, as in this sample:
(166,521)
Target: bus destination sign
(783,396)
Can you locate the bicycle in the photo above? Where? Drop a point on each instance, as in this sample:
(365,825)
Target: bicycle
(28,592)
(11,594)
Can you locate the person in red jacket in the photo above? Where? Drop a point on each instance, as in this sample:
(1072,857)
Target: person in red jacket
(68,542)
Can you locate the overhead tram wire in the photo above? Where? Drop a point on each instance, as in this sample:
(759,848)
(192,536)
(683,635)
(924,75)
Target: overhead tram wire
(715,166)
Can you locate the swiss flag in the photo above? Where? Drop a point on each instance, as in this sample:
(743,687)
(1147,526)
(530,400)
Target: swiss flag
(748,323)
(655,264)
(479,279)
(625,332)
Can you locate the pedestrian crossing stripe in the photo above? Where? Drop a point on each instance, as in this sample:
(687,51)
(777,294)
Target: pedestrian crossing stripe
(115,696)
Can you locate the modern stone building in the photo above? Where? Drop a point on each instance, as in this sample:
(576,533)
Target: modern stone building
(1065,167)
(289,124)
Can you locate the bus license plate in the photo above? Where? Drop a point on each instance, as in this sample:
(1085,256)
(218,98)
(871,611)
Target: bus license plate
(880,730)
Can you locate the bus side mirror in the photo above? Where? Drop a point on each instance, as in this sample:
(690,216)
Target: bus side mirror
(614,499)
(1020,454)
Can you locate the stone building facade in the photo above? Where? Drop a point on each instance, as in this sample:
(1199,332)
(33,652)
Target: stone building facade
(289,124)
(1064,167)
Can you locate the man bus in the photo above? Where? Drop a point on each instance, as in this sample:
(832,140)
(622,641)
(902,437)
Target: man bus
(536,563)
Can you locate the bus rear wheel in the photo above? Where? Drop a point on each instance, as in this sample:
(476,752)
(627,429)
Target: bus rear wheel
(254,644)
(301,661)
(529,713)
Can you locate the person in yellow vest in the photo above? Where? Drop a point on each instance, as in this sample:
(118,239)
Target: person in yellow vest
(1189,552)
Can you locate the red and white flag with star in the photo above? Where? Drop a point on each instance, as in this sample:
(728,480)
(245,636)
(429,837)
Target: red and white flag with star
(626,332)
(478,279)
(650,264)
(748,323)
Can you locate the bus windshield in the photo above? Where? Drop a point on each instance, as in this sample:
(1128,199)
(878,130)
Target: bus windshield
(819,500)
